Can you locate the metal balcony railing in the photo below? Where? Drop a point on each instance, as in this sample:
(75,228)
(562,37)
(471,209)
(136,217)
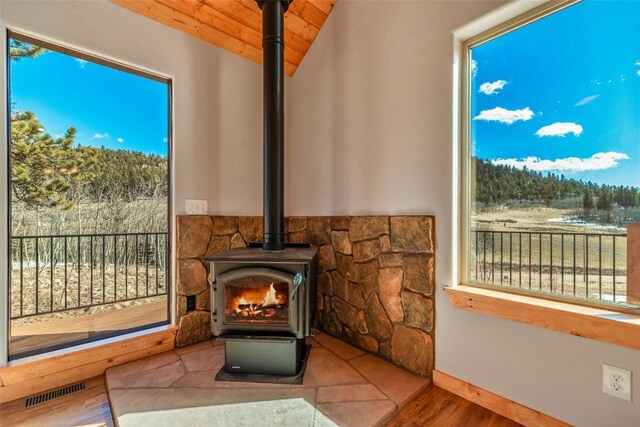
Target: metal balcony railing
(581,265)
(57,273)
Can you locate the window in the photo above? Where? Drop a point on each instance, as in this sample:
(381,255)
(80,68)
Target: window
(89,197)
(551,154)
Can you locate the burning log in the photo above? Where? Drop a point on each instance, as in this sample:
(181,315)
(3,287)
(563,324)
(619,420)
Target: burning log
(273,307)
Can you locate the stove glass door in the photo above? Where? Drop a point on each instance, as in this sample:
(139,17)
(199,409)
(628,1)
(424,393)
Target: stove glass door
(256,296)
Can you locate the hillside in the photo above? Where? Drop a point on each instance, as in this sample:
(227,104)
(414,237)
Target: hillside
(495,185)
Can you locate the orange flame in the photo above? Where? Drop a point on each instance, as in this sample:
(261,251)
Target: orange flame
(270,297)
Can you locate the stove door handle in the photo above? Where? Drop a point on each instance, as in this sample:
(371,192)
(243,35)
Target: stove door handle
(214,290)
(297,281)
(214,307)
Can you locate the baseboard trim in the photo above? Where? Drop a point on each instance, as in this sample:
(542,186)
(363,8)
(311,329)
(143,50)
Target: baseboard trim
(498,404)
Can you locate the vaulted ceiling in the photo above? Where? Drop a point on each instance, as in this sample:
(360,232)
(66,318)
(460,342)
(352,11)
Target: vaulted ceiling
(236,25)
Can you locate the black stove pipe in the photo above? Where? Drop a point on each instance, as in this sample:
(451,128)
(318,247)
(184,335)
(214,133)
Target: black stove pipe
(273,87)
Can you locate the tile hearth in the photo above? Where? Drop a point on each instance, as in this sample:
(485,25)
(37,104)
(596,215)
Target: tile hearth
(343,385)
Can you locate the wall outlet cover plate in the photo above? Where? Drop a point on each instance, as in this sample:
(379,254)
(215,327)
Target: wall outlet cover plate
(616,382)
(196,207)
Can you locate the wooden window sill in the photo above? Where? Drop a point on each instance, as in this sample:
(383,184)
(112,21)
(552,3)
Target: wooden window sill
(595,323)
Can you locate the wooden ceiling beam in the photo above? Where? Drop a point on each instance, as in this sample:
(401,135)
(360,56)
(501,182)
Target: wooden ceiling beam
(292,22)
(237,11)
(236,25)
(307,11)
(252,18)
(165,15)
(300,27)
(211,17)
(190,25)
(324,5)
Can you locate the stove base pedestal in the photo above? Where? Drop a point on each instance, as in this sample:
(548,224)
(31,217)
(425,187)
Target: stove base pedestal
(302,350)
(270,356)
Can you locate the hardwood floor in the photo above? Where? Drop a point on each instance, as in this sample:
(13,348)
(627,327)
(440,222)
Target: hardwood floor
(86,408)
(437,407)
(433,407)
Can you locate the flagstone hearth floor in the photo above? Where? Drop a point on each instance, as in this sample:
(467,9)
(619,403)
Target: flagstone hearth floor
(342,386)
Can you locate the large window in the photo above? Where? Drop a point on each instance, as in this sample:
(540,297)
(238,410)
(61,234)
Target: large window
(89,197)
(551,158)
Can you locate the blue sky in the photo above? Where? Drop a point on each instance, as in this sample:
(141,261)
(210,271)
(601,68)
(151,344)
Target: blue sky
(563,94)
(109,107)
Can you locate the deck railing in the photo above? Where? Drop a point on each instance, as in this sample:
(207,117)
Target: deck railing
(51,274)
(581,265)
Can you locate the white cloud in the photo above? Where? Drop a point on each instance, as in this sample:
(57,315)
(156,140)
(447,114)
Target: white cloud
(120,140)
(560,129)
(638,73)
(491,88)
(81,62)
(585,100)
(637,63)
(165,139)
(101,135)
(474,67)
(598,161)
(503,115)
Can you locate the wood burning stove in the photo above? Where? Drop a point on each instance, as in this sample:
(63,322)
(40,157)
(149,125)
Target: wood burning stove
(263,304)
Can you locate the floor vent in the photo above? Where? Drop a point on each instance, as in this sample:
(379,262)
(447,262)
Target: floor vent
(40,398)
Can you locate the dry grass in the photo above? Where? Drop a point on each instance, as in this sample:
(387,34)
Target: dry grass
(534,219)
(557,262)
(104,290)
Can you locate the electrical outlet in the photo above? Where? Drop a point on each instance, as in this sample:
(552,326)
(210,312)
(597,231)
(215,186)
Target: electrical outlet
(196,207)
(616,382)
(191,302)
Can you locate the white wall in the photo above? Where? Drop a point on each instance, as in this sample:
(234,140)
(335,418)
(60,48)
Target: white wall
(370,131)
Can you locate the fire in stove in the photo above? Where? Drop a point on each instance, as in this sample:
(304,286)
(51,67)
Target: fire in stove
(258,304)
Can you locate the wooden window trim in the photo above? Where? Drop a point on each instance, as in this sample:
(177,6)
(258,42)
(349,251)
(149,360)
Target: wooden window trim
(608,326)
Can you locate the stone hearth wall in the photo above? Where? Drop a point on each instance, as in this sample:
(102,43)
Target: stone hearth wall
(375,281)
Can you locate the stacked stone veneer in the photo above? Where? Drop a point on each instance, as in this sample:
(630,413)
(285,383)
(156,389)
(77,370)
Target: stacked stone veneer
(375,281)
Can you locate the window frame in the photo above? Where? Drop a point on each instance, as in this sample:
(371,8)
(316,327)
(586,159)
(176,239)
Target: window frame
(5,325)
(464,185)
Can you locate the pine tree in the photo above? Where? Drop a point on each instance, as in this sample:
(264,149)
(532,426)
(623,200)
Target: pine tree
(587,200)
(605,198)
(18,50)
(42,167)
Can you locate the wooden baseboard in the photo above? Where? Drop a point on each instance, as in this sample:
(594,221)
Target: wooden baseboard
(498,404)
(34,377)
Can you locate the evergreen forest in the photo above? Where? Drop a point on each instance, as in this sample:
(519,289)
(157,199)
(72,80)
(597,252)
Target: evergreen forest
(504,185)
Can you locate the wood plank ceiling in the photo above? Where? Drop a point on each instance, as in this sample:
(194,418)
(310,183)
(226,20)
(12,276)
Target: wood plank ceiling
(236,25)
